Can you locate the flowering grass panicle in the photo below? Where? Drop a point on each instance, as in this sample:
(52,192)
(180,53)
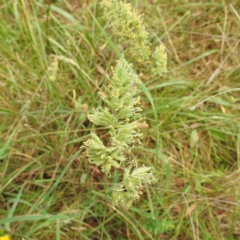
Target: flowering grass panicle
(129,26)
(121,118)
(160,60)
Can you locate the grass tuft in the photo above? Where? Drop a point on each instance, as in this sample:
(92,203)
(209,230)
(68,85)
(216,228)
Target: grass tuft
(48,189)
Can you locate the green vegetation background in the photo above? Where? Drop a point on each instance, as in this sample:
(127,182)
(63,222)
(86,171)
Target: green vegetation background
(48,188)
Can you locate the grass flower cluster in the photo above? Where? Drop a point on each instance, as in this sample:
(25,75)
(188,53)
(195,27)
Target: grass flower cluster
(160,59)
(121,117)
(129,26)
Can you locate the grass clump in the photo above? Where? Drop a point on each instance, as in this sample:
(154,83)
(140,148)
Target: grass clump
(48,190)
